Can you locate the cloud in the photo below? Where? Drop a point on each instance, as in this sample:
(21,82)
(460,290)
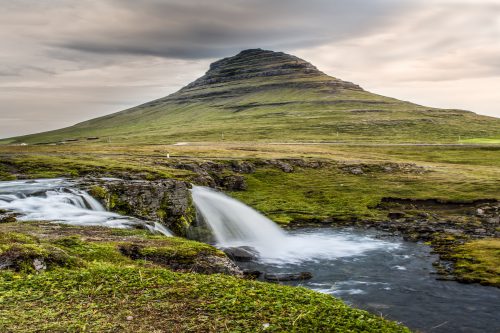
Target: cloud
(196,30)
(66,61)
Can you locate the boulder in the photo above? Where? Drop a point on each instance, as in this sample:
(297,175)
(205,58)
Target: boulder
(356,171)
(241,253)
(285,167)
(242,167)
(233,183)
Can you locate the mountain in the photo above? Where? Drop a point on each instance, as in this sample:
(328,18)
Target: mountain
(273,96)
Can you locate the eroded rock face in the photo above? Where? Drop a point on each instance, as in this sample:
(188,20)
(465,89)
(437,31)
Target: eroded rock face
(167,201)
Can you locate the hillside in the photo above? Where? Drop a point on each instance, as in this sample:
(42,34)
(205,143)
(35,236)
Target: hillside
(272,96)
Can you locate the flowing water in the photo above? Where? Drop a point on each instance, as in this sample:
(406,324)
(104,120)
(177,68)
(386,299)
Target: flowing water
(388,277)
(59,200)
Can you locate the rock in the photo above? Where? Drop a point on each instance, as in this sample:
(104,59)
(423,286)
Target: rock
(356,171)
(453,232)
(241,253)
(204,180)
(493,220)
(285,167)
(233,183)
(288,276)
(7,217)
(387,168)
(39,265)
(396,215)
(480,231)
(251,275)
(215,265)
(424,215)
(479,212)
(242,167)
(166,201)
(197,262)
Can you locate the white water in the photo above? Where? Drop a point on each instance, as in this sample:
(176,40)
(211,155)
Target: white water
(58,200)
(235,224)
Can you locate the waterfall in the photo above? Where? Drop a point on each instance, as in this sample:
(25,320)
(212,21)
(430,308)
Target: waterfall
(235,224)
(58,200)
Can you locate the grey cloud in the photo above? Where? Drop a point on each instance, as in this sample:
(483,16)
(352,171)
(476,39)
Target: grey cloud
(194,30)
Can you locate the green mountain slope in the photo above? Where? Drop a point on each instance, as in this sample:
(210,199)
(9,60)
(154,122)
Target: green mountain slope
(272,96)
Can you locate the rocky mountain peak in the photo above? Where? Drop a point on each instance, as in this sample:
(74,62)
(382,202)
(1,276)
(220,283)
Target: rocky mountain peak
(253,63)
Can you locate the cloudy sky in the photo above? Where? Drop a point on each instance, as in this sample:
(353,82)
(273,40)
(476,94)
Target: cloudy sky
(64,61)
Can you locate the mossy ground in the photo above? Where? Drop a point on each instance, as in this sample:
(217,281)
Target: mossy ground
(479,261)
(111,292)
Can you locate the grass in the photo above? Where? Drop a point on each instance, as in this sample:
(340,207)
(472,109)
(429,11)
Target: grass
(319,194)
(479,261)
(111,292)
(78,165)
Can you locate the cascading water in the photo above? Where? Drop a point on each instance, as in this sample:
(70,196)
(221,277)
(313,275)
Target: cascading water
(57,200)
(235,224)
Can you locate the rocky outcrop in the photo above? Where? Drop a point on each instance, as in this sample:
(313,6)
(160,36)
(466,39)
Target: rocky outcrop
(7,217)
(166,201)
(258,63)
(197,261)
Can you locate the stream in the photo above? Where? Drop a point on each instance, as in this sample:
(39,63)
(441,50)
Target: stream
(397,282)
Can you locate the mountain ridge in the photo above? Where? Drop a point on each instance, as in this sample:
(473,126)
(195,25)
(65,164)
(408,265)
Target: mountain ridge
(273,96)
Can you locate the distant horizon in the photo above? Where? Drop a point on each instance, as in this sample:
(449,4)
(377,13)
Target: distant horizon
(443,56)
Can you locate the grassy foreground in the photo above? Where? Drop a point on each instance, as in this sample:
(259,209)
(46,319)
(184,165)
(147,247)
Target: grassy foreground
(91,286)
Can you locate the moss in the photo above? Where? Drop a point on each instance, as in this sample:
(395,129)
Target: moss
(179,225)
(119,206)
(98,192)
(478,261)
(161,213)
(171,251)
(19,252)
(102,297)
